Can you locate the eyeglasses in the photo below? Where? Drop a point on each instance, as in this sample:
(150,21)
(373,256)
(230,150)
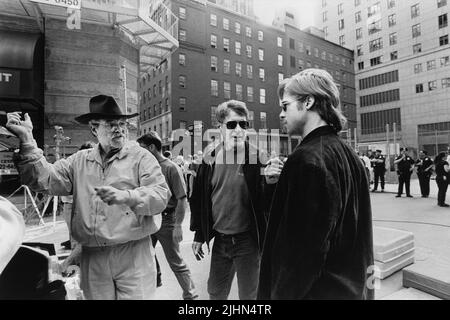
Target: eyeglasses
(233,124)
(112,124)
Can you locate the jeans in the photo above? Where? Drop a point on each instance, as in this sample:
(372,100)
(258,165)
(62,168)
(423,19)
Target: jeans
(172,252)
(234,254)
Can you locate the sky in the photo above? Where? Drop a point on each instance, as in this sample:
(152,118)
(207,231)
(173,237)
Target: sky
(303,9)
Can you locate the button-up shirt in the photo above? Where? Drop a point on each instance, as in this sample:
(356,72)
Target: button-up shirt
(94,223)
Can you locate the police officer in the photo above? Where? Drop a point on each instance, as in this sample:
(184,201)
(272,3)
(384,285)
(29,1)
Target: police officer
(379,170)
(405,167)
(424,167)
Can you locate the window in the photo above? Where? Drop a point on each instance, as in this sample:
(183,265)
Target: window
(213,41)
(361,65)
(359,50)
(226,44)
(181,104)
(292,61)
(248,50)
(432,85)
(226,24)
(262,96)
(248,32)
(261,54)
(431,65)
(374,9)
(394,55)
(417,48)
(416,30)
(250,94)
(291,44)
(393,38)
(263,119)
(154,90)
(214,122)
(260,35)
(375,122)
(249,71)
(226,90)
(324,55)
(160,87)
(392,20)
(445,61)
(324,16)
(279,42)
(419,88)
(182,59)
(390,4)
(341,40)
(445,82)
(375,44)
(182,12)
(214,88)
(182,35)
(378,80)
(415,11)
(239,92)
(341,24)
(301,64)
(443,40)
(358,33)
(340,8)
(237,47)
(358,17)
(300,47)
(443,21)
(316,52)
(214,63)
(418,68)
(441,3)
(281,76)
(237,27)
(375,61)
(280,60)
(213,20)
(238,69)
(182,81)
(380,97)
(262,74)
(226,66)
(374,27)
(325,31)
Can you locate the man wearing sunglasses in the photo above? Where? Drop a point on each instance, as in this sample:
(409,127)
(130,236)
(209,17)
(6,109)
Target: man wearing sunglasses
(227,205)
(117,187)
(319,234)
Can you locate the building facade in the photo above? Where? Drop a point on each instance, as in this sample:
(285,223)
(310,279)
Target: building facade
(402,67)
(225,55)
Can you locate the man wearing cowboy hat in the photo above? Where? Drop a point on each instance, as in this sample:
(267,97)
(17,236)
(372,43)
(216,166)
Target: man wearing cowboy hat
(117,187)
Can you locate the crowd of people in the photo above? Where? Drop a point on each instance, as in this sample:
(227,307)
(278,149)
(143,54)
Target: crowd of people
(290,228)
(424,165)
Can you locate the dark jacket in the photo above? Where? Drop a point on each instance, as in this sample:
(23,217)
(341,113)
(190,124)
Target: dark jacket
(319,236)
(201,206)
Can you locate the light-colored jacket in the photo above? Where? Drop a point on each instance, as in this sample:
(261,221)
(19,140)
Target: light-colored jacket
(12,231)
(93,222)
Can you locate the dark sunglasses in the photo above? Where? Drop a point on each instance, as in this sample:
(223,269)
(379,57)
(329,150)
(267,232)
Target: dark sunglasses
(233,124)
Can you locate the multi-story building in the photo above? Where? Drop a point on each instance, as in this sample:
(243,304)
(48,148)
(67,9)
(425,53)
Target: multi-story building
(227,55)
(402,62)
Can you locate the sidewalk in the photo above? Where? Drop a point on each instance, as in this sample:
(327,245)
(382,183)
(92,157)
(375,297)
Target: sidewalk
(414,188)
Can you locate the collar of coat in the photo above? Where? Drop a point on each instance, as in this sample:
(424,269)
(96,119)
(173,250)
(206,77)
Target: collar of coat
(320,131)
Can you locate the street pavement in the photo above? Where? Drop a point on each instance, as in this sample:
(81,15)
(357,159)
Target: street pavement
(429,223)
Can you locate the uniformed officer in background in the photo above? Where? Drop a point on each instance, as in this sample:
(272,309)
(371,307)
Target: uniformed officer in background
(424,167)
(379,170)
(405,167)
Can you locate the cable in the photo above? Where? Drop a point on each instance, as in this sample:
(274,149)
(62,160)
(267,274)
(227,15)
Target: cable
(415,222)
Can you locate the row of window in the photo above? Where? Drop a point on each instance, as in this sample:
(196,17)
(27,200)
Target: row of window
(432,85)
(375,122)
(163,133)
(379,98)
(238,92)
(157,109)
(238,68)
(378,80)
(162,67)
(161,90)
(431,64)
(237,27)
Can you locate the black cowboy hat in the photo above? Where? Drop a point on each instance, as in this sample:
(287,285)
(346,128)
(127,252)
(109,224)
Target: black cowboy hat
(103,107)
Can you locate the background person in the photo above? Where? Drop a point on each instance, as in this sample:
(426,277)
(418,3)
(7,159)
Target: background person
(424,167)
(442,177)
(405,167)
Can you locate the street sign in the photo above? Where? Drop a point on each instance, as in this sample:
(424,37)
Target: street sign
(74,4)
